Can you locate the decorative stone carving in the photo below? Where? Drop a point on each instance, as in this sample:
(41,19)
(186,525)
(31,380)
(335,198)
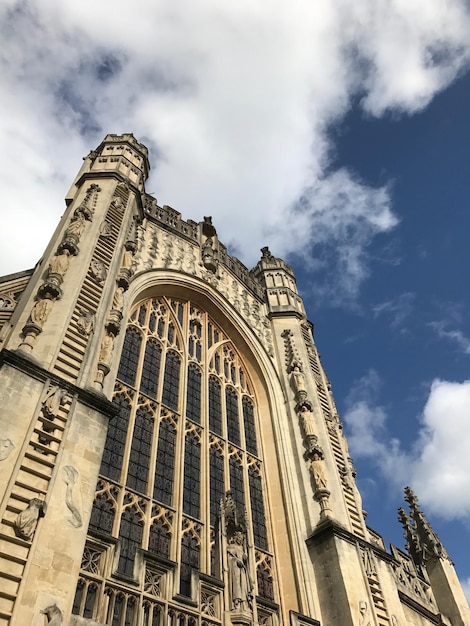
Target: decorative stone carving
(118,299)
(297,378)
(76,227)
(54,615)
(7,301)
(307,420)
(106,229)
(6,446)
(27,521)
(241,586)
(55,398)
(106,349)
(71,476)
(88,204)
(208,255)
(364,619)
(86,322)
(59,263)
(318,472)
(41,310)
(118,203)
(98,271)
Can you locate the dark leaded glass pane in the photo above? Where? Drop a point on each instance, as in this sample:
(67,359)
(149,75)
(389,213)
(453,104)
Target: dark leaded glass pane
(233,424)
(142,314)
(77,601)
(189,561)
(130,538)
(163,488)
(118,608)
(151,369)
(171,333)
(111,463)
(102,514)
(217,485)
(236,482)
(192,471)
(249,421)
(129,621)
(152,322)
(159,539)
(265,583)
(171,381)
(215,407)
(130,356)
(193,394)
(257,510)
(139,460)
(90,601)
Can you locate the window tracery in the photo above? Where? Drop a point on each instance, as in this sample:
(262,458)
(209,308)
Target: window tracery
(162,468)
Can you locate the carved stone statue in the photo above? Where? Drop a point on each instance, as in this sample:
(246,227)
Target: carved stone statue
(105,229)
(54,399)
(60,263)
(26,521)
(298,378)
(98,271)
(76,226)
(118,299)
(127,259)
(71,476)
(240,581)
(106,350)
(208,255)
(318,472)
(306,417)
(41,310)
(6,446)
(54,615)
(86,322)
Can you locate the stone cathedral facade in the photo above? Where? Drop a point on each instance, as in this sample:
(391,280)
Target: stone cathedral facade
(170,450)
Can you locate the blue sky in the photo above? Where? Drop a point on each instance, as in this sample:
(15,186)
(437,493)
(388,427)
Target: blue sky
(335,132)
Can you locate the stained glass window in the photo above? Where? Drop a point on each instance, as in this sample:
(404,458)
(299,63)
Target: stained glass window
(249,422)
(257,509)
(193,394)
(189,560)
(130,538)
(139,460)
(171,381)
(192,478)
(163,487)
(236,482)
(111,463)
(130,356)
(216,477)
(215,407)
(159,538)
(102,514)
(233,424)
(151,368)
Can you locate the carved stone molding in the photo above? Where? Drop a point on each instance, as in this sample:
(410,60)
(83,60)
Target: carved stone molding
(26,522)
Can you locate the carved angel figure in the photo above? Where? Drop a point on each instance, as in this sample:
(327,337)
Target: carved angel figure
(54,615)
(60,263)
(54,399)
(106,350)
(6,446)
(318,472)
(298,378)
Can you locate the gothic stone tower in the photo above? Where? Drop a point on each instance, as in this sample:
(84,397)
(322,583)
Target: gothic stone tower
(170,450)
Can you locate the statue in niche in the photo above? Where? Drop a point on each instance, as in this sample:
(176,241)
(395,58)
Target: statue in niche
(127,259)
(6,446)
(318,472)
(53,614)
(71,476)
(27,521)
(55,398)
(106,349)
(118,299)
(86,323)
(98,271)
(76,226)
(306,417)
(298,378)
(41,310)
(241,585)
(117,203)
(60,263)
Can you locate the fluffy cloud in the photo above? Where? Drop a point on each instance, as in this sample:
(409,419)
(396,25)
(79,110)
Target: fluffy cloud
(235,101)
(437,465)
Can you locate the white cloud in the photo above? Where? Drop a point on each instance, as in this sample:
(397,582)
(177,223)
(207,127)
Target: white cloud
(454,335)
(437,464)
(235,100)
(397,310)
